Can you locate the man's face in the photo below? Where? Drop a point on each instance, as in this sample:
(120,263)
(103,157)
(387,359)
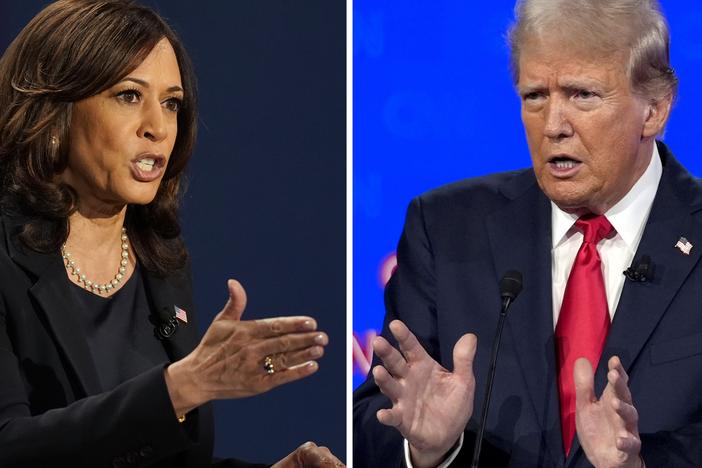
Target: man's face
(586,130)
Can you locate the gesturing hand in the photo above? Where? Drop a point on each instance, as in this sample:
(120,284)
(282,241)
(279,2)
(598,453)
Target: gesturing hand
(231,359)
(430,405)
(607,428)
(309,455)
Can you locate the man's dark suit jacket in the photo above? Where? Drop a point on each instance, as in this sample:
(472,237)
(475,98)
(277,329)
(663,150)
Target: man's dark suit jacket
(457,243)
(52,409)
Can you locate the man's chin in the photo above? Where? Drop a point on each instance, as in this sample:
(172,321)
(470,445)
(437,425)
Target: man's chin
(577,205)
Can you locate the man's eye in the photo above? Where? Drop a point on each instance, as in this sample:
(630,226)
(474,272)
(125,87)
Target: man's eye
(585,94)
(130,96)
(174,104)
(533,96)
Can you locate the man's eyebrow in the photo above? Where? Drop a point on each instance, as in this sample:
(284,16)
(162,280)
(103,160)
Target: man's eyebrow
(145,84)
(579,83)
(530,88)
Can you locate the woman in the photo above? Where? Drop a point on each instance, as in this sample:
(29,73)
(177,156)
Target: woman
(99,359)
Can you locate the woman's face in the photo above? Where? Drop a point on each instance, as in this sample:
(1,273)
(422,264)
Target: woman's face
(122,138)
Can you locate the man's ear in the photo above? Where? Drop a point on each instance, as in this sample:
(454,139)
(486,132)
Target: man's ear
(657,113)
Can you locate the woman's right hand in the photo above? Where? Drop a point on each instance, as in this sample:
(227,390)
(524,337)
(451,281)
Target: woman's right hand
(230,361)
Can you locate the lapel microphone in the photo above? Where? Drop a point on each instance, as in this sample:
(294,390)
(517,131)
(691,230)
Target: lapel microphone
(640,271)
(510,287)
(165,323)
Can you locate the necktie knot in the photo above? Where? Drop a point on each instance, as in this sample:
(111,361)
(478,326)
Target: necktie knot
(594,228)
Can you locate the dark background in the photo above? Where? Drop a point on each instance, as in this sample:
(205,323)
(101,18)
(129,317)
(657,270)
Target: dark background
(266,198)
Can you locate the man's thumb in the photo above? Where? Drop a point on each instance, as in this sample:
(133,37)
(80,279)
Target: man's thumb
(584,379)
(464,354)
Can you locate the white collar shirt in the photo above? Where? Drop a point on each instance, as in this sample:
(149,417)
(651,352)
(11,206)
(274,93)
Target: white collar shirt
(628,217)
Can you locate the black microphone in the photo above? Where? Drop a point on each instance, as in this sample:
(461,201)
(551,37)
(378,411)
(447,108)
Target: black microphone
(510,287)
(640,271)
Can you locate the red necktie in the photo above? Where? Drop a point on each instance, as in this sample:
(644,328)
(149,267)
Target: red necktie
(584,320)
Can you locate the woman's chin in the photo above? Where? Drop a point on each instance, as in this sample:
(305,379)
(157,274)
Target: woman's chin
(141,195)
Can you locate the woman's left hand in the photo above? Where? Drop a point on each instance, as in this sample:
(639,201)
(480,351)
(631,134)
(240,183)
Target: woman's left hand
(309,455)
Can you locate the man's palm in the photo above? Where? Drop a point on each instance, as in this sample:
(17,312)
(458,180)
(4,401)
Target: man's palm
(431,406)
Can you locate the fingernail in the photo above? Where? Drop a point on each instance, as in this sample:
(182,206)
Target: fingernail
(312,365)
(316,351)
(309,325)
(320,339)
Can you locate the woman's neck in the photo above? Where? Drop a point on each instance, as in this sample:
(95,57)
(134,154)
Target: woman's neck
(94,231)
(95,244)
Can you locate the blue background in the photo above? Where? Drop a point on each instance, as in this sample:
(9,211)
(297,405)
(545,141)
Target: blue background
(266,199)
(434,103)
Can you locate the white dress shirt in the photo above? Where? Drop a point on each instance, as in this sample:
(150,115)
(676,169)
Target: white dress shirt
(628,217)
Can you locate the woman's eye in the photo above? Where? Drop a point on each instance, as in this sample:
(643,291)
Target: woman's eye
(174,104)
(130,96)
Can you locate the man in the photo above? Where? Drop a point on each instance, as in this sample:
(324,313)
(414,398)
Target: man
(594,369)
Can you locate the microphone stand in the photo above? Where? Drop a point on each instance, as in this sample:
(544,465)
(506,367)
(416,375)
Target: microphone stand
(491,378)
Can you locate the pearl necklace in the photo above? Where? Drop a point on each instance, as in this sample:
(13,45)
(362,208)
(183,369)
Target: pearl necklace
(73,269)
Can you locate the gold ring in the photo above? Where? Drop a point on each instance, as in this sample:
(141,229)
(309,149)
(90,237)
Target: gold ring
(268,365)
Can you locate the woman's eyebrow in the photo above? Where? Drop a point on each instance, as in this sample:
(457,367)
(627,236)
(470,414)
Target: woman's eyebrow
(145,84)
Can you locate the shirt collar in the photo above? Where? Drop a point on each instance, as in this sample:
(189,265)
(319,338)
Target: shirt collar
(628,215)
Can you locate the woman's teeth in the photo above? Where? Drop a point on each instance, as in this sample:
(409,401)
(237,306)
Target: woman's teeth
(146,164)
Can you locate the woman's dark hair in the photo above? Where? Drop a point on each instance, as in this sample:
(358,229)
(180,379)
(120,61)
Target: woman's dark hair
(72,50)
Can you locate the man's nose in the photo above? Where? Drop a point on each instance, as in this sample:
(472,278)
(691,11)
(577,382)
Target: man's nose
(557,125)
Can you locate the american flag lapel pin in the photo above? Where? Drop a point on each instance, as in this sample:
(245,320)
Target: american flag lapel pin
(683,245)
(181,314)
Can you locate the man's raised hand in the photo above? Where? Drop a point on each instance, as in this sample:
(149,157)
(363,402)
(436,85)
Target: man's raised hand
(431,406)
(607,428)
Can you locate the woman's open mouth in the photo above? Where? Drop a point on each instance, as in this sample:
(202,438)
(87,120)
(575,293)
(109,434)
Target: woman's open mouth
(148,167)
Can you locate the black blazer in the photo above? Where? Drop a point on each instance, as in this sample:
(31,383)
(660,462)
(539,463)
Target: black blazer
(52,409)
(457,243)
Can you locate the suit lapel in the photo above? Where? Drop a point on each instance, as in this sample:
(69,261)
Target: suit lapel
(520,239)
(49,292)
(642,305)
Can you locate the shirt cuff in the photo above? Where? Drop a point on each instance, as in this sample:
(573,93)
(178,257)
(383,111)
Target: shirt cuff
(452,456)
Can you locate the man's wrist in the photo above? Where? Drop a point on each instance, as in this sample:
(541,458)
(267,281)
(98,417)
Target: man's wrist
(416,458)
(426,459)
